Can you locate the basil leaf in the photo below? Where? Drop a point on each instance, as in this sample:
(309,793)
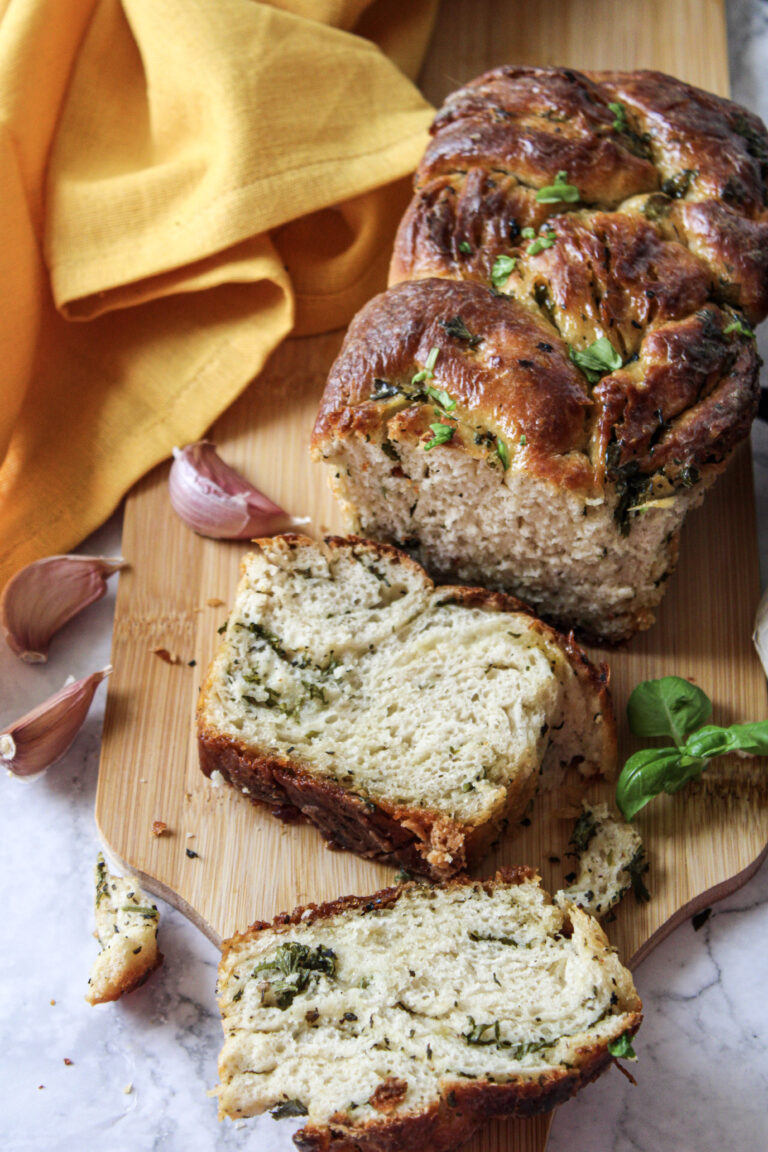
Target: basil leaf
(457,328)
(441,397)
(714,741)
(561,190)
(547,240)
(503,267)
(643,777)
(599,358)
(738,324)
(670,706)
(503,453)
(442,434)
(287,1109)
(620,116)
(428,371)
(622,1048)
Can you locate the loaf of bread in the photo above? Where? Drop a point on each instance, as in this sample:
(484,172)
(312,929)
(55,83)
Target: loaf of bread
(408,722)
(434,1007)
(565,359)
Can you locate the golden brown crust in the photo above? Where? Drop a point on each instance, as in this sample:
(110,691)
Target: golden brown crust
(384,898)
(129,981)
(517,382)
(533,122)
(659,275)
(463,1106)
(420,840)
(463,1109)
(506,135)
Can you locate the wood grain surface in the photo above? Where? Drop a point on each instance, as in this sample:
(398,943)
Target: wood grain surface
(702,843)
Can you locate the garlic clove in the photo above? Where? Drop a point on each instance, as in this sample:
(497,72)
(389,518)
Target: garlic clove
(41,598)
(760,634)
(41,737)
(217,501)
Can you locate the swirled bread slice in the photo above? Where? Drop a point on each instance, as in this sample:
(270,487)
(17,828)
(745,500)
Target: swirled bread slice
(565,361)
(407,721)
(404,1019)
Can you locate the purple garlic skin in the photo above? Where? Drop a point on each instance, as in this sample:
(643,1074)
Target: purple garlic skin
(37,740)
(216,501)
(44,596)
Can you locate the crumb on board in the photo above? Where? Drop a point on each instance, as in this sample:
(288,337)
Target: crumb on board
(159,827)
(168,657)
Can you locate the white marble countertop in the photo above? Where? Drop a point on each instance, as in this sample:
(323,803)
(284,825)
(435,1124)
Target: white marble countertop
(134,1075)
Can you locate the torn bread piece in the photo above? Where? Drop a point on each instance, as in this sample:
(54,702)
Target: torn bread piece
(409,722)
(126,927)
(436,1007)
(611,861)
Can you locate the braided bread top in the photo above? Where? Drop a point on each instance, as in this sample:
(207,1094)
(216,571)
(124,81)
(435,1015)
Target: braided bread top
(555,209)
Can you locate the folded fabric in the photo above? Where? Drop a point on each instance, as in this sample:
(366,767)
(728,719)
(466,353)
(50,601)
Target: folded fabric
(182,184)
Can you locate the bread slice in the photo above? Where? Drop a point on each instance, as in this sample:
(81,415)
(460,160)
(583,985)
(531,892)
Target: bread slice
(404,1019)
(407,721)
(126,927)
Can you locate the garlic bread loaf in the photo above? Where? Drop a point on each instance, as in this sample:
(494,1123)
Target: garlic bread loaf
(565,360)
(404,1019)
(408,722)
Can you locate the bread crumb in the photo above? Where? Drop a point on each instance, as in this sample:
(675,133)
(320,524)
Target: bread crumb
(52,1002)
(128,1089)
(159,827)
(214,602)
(67,1061)
(168,657)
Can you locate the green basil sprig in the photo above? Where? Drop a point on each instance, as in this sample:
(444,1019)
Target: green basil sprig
(560,191)
(622,1048)
(600,357)
(673,707)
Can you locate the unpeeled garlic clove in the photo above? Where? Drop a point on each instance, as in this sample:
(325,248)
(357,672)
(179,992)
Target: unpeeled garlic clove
(217,501)
(42,597)
(760,634)
(37,740)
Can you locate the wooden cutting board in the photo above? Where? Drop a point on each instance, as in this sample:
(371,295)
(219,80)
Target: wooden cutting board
(701,844)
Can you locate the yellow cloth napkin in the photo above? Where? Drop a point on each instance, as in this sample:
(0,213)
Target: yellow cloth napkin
(182,184)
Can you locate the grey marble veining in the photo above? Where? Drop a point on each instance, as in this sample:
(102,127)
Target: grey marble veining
(141,1068)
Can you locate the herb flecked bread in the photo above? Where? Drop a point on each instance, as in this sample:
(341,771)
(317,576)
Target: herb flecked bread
(436,1008)
(611,860)
(564,361)
(126,927)
(408,722)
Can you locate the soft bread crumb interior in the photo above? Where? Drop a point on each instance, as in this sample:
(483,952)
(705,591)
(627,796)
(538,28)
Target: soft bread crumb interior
(465,518)
(357,667)
(446,985)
